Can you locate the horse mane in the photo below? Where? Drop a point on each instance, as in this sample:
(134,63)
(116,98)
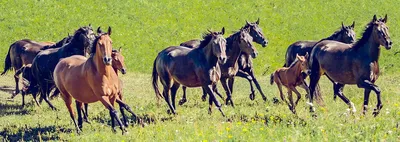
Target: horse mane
(294,63)
(206,39)
(365,36)
(334,35)
(59,43)
(231,39)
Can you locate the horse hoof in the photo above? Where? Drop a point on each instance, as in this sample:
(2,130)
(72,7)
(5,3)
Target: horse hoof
(181,102)
(264,98)
(252,96)
(203,98)
(126,124)
(124,132)
(275,100)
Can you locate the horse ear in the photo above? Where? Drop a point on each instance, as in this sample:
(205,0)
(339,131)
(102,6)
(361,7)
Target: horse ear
(99,30)
(109,30)
(90,25)
(223,30)
(374,18)
(258,21)
(352,25)
(119,49)
(247,22)
(343,27)
(297,56)
(306,56)
(384,19)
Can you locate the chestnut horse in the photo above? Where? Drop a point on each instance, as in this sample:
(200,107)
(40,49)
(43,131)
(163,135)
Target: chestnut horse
(236,44)
(291,77)
(23,52)
(198,67)
(44,63)
(89,80)
(351,63)
(245,61)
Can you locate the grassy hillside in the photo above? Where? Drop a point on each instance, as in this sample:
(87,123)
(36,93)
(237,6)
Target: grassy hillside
(144,28)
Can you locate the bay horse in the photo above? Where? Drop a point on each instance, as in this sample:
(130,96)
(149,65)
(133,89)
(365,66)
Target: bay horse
(351,63)
(88,80)
(22,52)
(236,44)
(345,34)
(198,67)
(291,77)
(44,63)
(245,62)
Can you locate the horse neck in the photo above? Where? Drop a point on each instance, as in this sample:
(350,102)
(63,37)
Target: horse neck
(369,48)
(335,36)
(115,70)
(66,50)
(209,56)
(296,69)
(101,68)
(232,49)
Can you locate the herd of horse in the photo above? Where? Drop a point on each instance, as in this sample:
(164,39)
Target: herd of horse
(84,67)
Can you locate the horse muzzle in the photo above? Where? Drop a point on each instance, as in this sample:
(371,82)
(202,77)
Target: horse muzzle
(264,44)
(222,60)
(123,71)
(388,45)
(254,55)
(107,60)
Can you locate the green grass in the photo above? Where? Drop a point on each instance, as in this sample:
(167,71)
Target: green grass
(144,28)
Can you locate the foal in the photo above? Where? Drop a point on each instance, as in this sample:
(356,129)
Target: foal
(290,77)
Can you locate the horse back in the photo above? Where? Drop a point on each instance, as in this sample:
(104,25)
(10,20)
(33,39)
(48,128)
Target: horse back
(300,48)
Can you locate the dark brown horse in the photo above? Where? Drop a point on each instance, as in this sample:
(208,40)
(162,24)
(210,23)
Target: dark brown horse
(237,43)
(23,52)
(198,67)
(245,61)
(44,63)
(291,77)
(345,34)
(26,72)
(351,63)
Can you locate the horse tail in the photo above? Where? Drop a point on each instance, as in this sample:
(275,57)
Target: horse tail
(7,61)
(271,81)
(318,97)
(155,81)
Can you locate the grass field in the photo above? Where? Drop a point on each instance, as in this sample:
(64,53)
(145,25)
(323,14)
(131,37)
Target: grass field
(144,28)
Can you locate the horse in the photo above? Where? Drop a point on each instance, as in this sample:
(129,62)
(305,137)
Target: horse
(345,34)
(23,52)
(88,80)
(237,43)
(118,64)
(291,77)
(245,62)
(351,63)
(198,67)
(26,71)
(44,63)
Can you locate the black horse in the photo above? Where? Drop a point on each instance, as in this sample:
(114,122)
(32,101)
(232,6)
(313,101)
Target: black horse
(44,63)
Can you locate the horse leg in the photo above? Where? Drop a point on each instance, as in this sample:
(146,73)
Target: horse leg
(243,74)
(291,103)
(108,103)
(204,96)
(212,98)
(338,89)
(166,98)
(23,98)
(215,89)
(298,96)
(85,113)
(16,78)
(305,87)
(183,99)
(174,88)
(366,100)
(369,85)
(314,79)
(79,110)
(55,94)
(258,86)
(68,102)
(44,96)
(34,95)
(227,91)
(125,106)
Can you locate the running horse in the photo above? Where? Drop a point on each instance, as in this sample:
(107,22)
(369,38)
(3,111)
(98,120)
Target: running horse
(198,67)
(352,63)
(245,61)
(22,53)
(236,44)
(44,63)
(88,80)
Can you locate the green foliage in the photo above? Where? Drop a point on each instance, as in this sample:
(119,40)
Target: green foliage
(144,28)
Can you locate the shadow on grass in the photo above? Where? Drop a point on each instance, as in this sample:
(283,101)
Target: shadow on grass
(13,133)
(7,89)
(12,109)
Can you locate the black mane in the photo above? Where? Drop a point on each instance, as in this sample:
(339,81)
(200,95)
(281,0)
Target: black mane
(365,37)
(206,39)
